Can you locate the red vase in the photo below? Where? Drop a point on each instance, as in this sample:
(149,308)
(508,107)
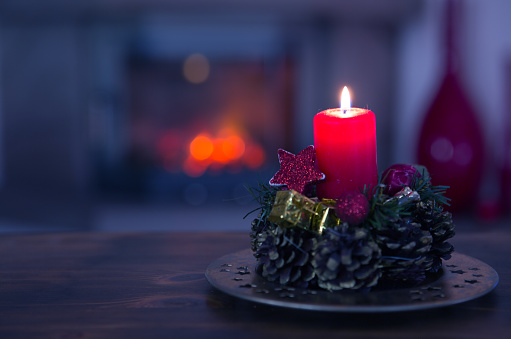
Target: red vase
(451,143)
(505,160)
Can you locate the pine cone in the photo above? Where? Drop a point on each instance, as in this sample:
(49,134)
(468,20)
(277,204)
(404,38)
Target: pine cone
(259,226)
(405,247)
(346,258)
(441,226)
(284,256)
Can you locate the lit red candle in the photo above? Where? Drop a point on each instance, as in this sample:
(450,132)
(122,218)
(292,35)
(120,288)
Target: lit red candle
(345,143)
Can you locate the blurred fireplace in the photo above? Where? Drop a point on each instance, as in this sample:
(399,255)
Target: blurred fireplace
(201,116)
(198,126)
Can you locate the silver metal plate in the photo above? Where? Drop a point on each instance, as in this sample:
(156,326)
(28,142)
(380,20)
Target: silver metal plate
(463,278)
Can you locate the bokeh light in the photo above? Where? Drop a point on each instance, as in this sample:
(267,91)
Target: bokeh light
(196,68)
(201,147)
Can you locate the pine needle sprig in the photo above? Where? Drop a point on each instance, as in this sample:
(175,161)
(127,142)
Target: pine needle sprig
(422,184)
(264,195)
(383,211)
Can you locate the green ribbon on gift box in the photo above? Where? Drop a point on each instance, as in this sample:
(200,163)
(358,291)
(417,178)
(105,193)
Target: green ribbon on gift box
(293,209)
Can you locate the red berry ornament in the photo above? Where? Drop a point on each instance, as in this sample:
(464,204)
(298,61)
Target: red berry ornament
(352,207)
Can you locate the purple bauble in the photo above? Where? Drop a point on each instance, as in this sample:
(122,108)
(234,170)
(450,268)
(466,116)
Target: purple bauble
(352,207)
(398,176)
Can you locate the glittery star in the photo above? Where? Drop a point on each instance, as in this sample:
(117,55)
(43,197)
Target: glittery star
(297,171)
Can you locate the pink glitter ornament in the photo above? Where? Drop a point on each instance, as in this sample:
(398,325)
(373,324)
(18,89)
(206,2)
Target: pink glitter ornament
(297,171)
(352,207)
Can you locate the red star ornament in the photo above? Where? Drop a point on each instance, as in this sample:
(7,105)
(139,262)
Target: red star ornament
(297,171)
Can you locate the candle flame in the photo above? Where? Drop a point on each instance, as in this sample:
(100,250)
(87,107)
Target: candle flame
(345,102)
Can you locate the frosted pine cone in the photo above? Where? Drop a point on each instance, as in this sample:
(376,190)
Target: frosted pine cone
(346,258)
(259,227)
(284,256)
(441,226)
(405,247)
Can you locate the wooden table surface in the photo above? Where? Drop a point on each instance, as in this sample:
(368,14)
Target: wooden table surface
(93,285)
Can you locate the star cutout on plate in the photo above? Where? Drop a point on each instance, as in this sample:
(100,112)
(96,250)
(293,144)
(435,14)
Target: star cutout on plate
(297,171)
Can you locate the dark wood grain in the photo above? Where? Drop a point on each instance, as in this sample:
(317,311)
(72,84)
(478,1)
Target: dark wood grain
(93,285)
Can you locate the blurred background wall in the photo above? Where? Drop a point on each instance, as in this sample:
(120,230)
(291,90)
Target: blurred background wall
(152,115)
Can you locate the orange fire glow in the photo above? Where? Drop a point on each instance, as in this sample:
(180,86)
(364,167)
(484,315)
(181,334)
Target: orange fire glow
(201,147)
(228,147)
(223,150)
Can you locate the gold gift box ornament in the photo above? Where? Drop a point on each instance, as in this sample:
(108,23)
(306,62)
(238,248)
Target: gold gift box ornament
(292,209)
